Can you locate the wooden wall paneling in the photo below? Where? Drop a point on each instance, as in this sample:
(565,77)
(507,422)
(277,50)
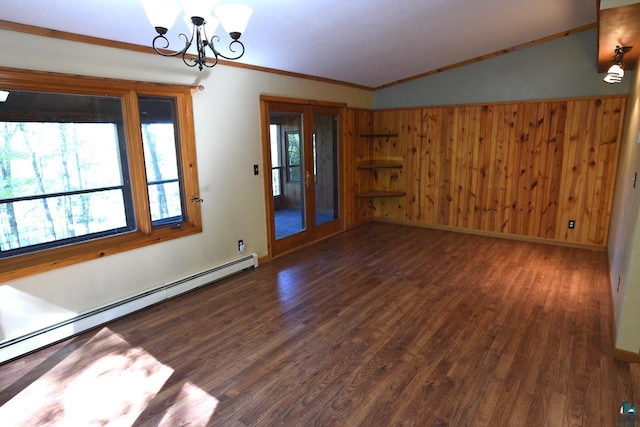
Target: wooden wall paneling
(448,141)
(464,165)
(522,168)
(597,163)
(571,169)
(488,125)
(534,175)
(476,183)
(546,198)
(440,126)
(411,130)
(607,150)
(574,169)
(489,141)
(613,148)
(587,216)
(503,138)
(510,172)
(551,172)
(429,183)
(511,199)
(348,167)
(527,177)
(474,186)
(363,151)
(524,164)
(492,222)
(407,126)
(589,164)
(457,157)
(460,168)
(514,170)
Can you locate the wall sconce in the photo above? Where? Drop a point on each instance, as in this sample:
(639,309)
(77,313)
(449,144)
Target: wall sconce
(197,13)
(616,71)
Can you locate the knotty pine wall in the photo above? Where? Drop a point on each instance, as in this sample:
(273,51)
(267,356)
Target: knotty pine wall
(521,168)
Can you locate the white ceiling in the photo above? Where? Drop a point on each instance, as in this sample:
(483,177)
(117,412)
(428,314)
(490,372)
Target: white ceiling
(364,42)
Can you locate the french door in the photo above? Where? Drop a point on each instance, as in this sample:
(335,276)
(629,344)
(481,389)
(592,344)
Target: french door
(302,156)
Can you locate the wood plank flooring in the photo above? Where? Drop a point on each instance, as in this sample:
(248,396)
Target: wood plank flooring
(384,325)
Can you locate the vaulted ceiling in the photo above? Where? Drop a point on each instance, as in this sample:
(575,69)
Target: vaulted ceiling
(364,42)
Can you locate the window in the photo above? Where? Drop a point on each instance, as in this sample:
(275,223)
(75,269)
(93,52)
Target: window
(293,156)
(64,175)
(161,150)
(91,167)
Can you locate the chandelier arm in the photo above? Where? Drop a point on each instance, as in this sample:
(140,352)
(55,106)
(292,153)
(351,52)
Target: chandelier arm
(231,48)
(162,49)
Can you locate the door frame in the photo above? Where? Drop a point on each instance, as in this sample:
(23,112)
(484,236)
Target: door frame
(314,233)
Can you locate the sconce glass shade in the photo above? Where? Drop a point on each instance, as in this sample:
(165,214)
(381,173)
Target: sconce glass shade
(616,69)
(614,74)
(234,17)
(612,78)
(161,13)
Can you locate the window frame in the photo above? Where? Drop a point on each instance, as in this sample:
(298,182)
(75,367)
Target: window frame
(145,233)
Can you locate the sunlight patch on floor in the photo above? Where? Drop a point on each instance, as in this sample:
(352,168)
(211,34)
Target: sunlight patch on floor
(193,404)
(105,382)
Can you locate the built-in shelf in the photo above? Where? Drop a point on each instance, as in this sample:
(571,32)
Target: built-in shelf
(380,165)
(380,193)
(373,164)
(378,135)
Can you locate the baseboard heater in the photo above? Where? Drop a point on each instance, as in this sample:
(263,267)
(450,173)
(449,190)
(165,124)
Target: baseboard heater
(28,343)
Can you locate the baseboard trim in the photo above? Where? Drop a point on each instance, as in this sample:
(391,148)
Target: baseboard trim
(19,346)
(626,356)
(497,235)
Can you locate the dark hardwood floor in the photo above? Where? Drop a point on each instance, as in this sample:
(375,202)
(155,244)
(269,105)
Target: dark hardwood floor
(384,325)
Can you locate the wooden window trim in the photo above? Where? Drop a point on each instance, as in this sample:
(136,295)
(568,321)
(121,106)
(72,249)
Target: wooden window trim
(37,262)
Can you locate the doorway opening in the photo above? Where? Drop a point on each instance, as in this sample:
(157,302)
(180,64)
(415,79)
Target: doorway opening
(303,191)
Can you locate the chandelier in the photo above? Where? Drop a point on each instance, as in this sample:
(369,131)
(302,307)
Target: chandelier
(616,71)
(197,13)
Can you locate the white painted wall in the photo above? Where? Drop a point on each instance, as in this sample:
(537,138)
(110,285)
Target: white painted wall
(228,144)
(624,236)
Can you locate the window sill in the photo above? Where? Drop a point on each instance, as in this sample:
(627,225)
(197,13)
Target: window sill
(28,264)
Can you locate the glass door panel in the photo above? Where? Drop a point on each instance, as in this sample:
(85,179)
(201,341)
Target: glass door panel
(288,177)
(325,167)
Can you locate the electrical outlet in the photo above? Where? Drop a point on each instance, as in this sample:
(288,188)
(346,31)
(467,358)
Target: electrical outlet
(370,204)
(241,246)
(572,224)
(256,171)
